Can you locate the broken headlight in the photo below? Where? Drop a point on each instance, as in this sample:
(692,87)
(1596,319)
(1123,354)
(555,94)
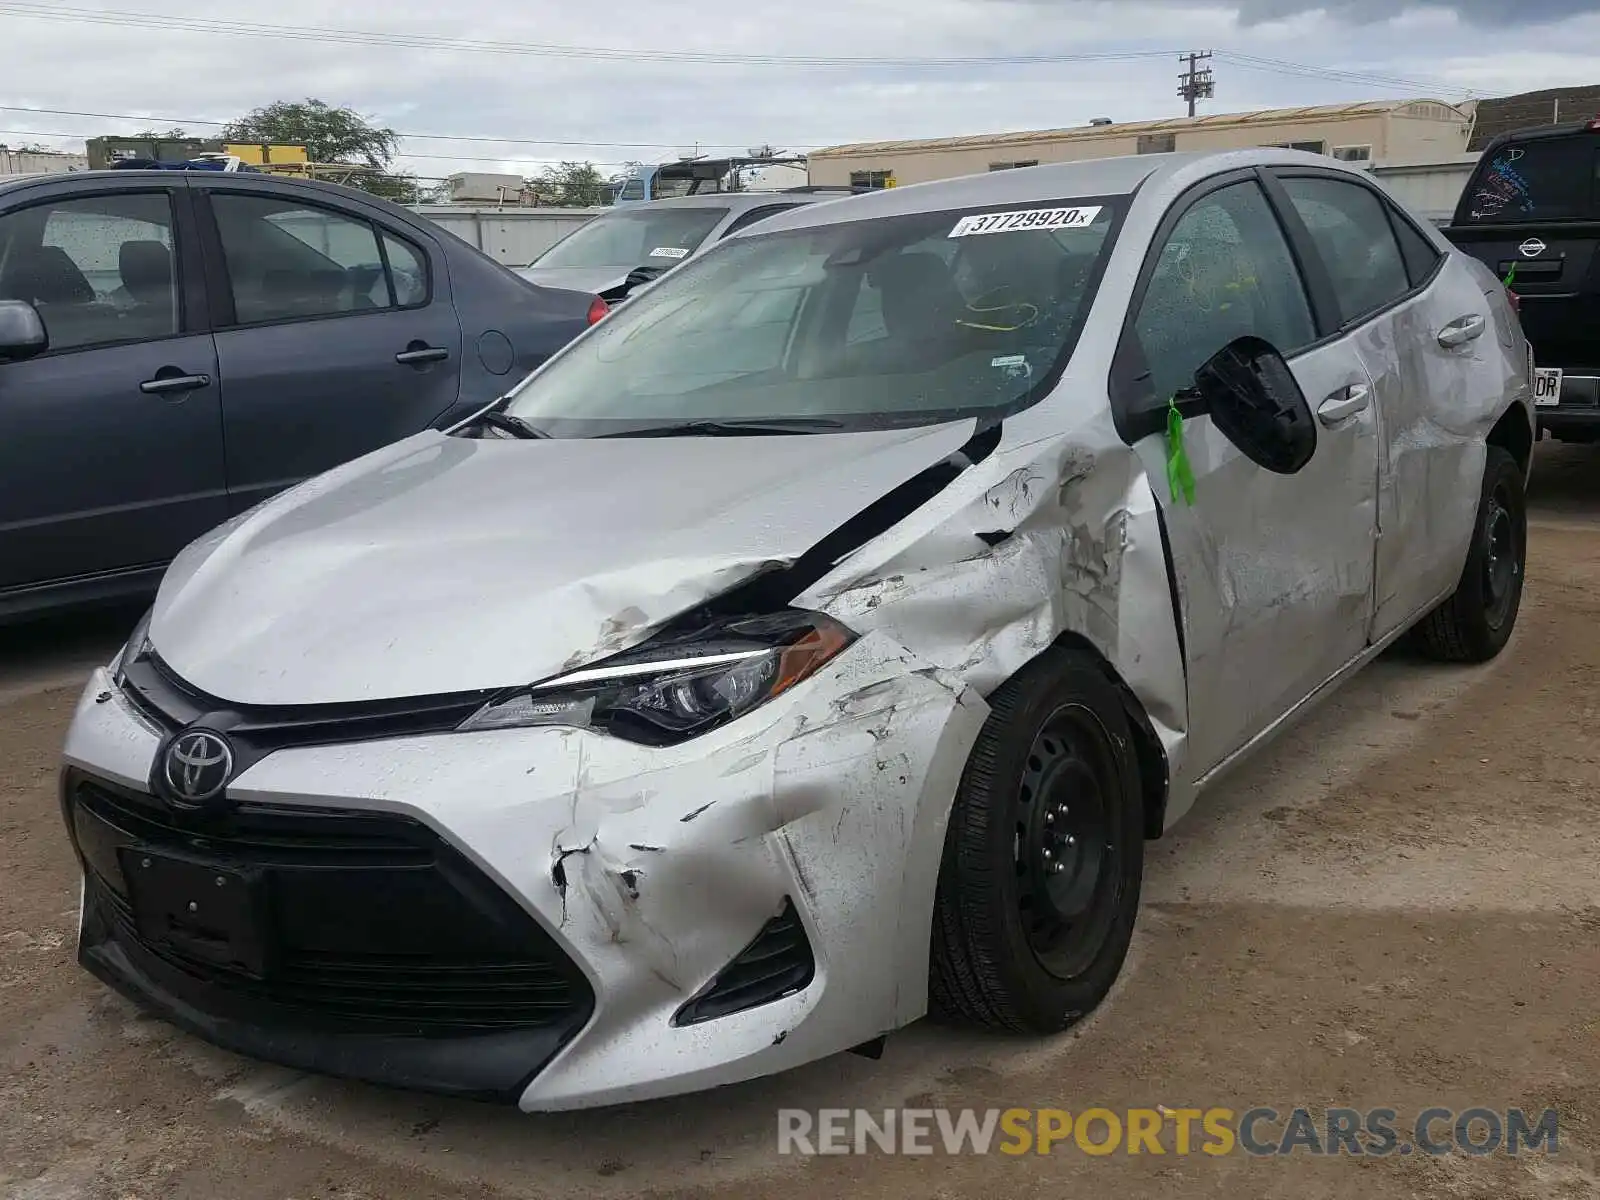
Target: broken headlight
(677,685)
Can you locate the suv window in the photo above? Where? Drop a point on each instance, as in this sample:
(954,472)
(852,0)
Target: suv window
(1543,179)
(99,268)
(1351,230)
(1224,272)
(289,261)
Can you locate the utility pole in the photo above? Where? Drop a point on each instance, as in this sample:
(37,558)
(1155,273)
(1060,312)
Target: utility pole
(1196,83)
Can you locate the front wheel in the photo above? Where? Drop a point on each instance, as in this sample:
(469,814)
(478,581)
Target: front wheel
(1039,886)
(1475,624)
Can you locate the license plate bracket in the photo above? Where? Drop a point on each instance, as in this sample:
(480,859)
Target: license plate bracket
(1547,386)
(201,910)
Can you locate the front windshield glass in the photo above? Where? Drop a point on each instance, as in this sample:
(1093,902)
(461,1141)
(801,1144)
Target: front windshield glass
(639,237)
(902,320)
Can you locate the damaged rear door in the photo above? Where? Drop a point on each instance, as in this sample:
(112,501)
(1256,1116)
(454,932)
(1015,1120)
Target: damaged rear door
(1274,572)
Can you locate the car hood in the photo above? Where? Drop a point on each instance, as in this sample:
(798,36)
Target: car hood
(576,279)
(445,564)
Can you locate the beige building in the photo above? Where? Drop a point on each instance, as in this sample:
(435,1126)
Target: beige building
(1378,133)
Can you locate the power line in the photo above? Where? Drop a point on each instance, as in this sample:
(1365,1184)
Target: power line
(1280,66)
(359,37)
(426,137)
(378,38)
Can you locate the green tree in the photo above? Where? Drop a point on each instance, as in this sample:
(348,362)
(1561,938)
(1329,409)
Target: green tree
(330,135)
(571,185)
(155,135)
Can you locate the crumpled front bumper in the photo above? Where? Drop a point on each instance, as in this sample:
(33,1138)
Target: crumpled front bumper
(652,869)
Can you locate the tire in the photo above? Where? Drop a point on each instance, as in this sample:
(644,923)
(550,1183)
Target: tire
(1055,760)
(1475,623)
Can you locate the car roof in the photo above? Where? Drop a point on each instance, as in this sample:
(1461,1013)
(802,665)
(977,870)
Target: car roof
(735,201)
(17,182)
(1101,177)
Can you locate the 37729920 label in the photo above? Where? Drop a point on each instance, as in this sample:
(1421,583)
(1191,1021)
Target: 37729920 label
(1025,219)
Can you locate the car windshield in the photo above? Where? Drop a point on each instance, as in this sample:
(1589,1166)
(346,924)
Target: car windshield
(906,320)
(640,237)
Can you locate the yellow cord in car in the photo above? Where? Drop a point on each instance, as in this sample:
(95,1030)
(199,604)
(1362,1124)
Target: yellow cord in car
(977,306)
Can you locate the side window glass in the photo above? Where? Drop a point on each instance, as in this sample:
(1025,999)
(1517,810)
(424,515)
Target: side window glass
(1224,272)
(409,270)
(1421,256)
(99,269)
(1352,234)
(290,262)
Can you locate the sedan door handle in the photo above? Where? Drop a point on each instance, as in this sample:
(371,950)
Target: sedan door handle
(416,354)
(162,384)
(1344,403)
(1462,330)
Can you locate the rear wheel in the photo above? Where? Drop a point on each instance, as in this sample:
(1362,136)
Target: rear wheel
(1039,886)
(1476,622)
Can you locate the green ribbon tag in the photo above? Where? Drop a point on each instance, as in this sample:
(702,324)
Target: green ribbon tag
(1511,275)
(1180,477)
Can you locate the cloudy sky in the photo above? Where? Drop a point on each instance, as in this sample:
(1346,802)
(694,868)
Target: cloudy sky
(641,79)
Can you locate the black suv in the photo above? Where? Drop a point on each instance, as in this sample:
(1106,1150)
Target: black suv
(1531,212)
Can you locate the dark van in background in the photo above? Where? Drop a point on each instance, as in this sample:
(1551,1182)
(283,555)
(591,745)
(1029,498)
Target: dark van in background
(1531,212)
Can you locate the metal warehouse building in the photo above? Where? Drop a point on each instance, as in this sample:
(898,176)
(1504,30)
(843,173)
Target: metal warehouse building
(1379,133)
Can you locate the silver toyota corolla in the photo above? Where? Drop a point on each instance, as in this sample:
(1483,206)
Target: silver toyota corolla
(814,642)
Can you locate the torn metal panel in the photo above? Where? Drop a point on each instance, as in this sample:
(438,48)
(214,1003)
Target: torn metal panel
(499,588)
(1054,537)
(1437,405)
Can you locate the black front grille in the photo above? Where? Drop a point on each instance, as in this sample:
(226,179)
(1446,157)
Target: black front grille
(778,963)
(373,923)
(172,703)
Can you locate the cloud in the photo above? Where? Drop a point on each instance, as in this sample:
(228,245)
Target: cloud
(1500,13)
(619,110)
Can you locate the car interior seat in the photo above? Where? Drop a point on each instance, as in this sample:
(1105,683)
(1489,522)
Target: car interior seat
(147,279)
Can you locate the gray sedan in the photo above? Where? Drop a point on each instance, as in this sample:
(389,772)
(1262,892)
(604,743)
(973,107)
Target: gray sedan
(177,346)
(816,640)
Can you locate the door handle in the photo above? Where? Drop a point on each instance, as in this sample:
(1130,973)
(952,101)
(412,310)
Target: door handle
(1462,330)
(162,384)
(1346,402)
(416,354)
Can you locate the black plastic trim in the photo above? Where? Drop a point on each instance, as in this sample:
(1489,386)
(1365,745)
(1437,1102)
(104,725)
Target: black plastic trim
(776,588)
(359,1010)
(778,962)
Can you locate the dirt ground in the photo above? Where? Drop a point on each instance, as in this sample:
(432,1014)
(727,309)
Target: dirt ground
(1397,906)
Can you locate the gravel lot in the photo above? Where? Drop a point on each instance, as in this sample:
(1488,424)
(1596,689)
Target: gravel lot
(1399,905)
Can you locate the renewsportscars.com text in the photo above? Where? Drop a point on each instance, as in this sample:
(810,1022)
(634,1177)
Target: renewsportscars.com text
(1262,1132)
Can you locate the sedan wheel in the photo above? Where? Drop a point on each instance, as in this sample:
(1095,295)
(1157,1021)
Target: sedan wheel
(1039,887)
(1476,622)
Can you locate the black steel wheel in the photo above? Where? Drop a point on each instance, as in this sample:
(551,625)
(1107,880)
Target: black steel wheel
(1475,623)
(1039,886)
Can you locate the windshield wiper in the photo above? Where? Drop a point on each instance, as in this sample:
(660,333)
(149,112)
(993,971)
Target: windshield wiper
(733,427)
(515,426)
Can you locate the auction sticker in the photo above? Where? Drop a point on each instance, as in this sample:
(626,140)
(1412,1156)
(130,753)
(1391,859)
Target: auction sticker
(668,252)
(1031,218)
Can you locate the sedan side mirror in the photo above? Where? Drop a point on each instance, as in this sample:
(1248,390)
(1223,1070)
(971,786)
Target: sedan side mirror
(22,332)
(1257,404)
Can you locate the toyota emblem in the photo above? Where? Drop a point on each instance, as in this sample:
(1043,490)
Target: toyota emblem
(1532,248)
(199,765)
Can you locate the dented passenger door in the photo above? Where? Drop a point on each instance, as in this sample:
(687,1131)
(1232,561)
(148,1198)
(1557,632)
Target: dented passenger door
(1273,571)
